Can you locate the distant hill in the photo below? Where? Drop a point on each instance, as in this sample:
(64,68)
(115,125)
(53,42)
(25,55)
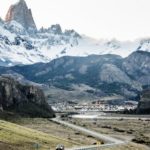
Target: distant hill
(103,74)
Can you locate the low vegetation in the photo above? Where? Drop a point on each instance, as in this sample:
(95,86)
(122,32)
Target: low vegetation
(135,132)
(129,146)
(142,139)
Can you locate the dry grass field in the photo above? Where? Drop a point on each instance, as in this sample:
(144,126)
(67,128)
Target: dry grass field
(135,132)
(16,137)
(26,133)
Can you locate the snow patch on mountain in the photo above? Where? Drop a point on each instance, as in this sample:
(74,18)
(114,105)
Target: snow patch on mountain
(17,46)
(15,27)
(22,43)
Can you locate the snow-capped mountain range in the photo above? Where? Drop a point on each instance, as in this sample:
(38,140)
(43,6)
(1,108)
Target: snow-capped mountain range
(22,43)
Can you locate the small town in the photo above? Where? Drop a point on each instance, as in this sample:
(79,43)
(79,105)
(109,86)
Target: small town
(95,107)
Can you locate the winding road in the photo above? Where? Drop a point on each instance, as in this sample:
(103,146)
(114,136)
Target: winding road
(109,141)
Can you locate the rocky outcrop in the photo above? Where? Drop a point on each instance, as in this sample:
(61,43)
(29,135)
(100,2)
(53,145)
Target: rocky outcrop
(111,73)
(21,14)
(137,66)
(24,99)
(72,33)
(54,29)
(1,21)
(144,103)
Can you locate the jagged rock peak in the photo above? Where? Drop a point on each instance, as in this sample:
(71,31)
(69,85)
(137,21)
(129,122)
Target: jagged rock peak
(20,13)
(56,29)
(72,33)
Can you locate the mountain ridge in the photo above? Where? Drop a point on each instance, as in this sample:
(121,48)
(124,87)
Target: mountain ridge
(108,73)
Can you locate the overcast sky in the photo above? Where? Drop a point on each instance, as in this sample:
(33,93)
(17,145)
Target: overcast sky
(120,19)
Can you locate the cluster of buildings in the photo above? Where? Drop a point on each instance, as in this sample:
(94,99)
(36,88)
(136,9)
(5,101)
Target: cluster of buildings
(104,106)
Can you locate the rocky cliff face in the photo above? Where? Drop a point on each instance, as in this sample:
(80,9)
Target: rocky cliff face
(137,66)
(24,99)
(144,104)
(21,14)
(111,73)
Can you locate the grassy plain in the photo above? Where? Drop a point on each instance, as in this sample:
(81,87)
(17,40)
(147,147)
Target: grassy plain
(135,132)
(26,133)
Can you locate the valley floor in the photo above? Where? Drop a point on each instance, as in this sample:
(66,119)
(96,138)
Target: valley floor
(28,134)
(135,132)
(129,146)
